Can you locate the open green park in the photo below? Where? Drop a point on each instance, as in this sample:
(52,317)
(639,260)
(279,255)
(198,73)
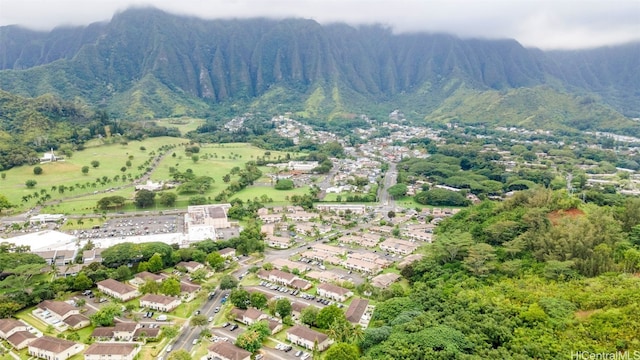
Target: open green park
(67,189)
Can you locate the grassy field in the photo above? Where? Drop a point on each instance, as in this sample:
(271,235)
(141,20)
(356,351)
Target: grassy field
(216,160)
(278,196)
(184,125)
(112,157)
(84,190)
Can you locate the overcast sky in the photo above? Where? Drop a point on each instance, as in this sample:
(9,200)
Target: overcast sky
(547,24)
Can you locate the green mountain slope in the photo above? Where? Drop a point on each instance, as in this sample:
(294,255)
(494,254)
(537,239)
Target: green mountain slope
(538,107)
(145,63)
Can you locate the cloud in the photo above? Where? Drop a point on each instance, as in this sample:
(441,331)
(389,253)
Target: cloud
(547,24)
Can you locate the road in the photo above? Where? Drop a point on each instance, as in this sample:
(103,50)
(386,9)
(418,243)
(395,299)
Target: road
(326,182)
(188,333)
(386,201)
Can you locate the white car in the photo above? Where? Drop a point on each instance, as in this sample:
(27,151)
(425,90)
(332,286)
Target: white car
(195,341)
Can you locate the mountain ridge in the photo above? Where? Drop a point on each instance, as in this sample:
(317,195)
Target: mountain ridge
(189,63)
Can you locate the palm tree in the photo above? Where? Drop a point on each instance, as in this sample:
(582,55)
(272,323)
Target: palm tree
(357,334)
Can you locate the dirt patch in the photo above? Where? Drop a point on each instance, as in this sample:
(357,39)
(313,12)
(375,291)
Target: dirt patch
(556,216)
(584,314)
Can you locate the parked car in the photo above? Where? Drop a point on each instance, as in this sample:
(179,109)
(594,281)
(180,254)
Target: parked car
(233,327)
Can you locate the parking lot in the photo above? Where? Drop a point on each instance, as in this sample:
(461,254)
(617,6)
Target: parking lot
(135,226)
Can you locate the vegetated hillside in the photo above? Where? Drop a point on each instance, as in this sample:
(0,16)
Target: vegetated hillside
(29,126)
(528,278)
(534,107)
(145,63)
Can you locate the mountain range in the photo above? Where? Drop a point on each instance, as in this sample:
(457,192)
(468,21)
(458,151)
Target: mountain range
(146,63)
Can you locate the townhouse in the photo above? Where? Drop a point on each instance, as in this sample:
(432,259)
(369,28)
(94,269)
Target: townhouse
(112,351)
(63,312)
(356,309)
(308,338)
(398,246)
(191,266)
(278,242)
(142,277)
(188,290)
(160,302)
(383,281)
(226,351)
(49,348)
(118,290)
(328,249)
(16,333)
(334,292)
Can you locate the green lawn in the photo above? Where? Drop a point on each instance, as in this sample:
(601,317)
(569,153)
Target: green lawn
(278,196)
(184,124)
(112,157)
(215,160)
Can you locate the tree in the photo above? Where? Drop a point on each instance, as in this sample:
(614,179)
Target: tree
(340,330)
(342,351)
(121,273)
(216,261)
(479,255)
(198,320)
(328,315)
(149,287)
(283,307)
(123,169)
(106,314)
(82,282)
(37,170)
(226,178)
(168,199)
(195,158)
(30,183)
(239,297)
(284,184)
(3,175)
(85,170)
(170,331)
(251,340)
(308,315)
(170,287)
(397,190)
(180,355)
(4,203)
(452,246)
(155,263)
(95,163)
(9,308)
(258,300)
(199,275)
(145,198)
(228,282)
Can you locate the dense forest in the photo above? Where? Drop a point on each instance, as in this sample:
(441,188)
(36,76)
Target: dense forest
(532,277)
